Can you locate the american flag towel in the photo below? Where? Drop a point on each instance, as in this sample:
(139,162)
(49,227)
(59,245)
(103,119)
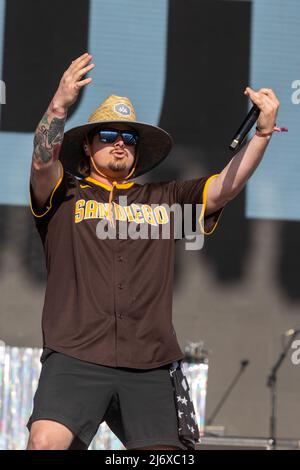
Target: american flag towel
(187,425)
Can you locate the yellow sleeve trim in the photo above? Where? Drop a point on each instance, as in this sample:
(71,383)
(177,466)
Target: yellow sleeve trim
(52,194)
(204,199)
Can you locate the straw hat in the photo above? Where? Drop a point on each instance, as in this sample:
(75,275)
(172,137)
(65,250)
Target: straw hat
(153,147)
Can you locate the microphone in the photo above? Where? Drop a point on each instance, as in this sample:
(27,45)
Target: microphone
(290,332)
(243,130)
(245,363)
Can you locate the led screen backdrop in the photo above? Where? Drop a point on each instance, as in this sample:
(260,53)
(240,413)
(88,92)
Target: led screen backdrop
(274,190)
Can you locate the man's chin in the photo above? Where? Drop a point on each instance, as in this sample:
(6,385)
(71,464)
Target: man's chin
(117,167)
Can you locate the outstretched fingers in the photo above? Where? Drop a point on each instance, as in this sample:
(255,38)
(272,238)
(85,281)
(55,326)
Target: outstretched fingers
(83,71)
(84,82)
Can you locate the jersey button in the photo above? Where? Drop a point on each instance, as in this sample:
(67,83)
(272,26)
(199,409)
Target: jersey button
(120,258)
(120,315)
(120,286)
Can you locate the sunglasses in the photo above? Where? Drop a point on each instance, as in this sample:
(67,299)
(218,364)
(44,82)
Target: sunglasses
(108,136)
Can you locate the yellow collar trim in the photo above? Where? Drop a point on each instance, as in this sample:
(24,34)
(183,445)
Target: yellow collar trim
(108,188)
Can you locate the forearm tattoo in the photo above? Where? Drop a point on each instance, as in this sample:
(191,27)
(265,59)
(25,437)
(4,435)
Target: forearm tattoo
(48,137)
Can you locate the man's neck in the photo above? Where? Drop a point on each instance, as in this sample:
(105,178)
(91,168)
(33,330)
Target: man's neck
(106,181)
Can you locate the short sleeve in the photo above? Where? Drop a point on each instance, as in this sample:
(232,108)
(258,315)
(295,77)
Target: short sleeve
(194,192)
(55,199)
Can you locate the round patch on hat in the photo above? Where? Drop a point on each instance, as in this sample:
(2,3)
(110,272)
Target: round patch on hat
(122,109)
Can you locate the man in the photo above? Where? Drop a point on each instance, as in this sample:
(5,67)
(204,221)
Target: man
(109,343)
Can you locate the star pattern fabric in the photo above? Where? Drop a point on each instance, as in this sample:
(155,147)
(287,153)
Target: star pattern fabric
(187,425)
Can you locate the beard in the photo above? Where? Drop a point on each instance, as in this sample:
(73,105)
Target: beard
(115,165)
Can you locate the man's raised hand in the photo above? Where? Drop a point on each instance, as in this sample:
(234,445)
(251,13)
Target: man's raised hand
(71,82)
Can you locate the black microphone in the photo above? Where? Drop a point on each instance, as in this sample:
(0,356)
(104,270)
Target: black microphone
(245,363)
(243,130)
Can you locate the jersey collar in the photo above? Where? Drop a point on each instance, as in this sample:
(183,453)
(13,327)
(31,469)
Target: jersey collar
(108,188)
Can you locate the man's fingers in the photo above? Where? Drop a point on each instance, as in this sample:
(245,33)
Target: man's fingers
(264,103)
(264,100)
(258,97)
(83,71)
(267,91)
(270,93)
(83,62)
(83,82)
(252,93)
(254,96)
(80,58)
(77,63)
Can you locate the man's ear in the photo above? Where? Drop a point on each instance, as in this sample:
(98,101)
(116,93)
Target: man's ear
(86,149)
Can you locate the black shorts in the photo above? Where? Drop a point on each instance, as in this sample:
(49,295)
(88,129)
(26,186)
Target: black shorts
(137,405)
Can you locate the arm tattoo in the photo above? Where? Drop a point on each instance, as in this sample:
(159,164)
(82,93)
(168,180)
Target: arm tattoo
(48,138)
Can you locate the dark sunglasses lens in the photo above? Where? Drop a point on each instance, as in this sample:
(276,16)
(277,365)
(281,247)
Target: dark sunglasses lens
(130,138)
(108,136)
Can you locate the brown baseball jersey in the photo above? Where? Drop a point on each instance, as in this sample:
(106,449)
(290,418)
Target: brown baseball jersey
(109,300)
